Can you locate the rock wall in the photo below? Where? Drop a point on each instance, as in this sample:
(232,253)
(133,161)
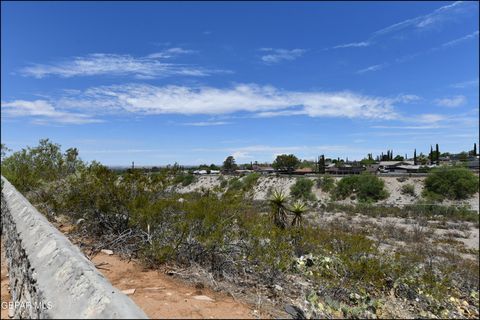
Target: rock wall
(49,276)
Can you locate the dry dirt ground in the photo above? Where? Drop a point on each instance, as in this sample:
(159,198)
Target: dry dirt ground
(156,293)
(161,296)
(5,293)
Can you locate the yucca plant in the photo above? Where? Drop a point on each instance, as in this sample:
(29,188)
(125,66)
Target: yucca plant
(298,208)
(278,203)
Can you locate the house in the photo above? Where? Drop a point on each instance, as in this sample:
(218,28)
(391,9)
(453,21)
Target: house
(473,163)
(263,170)
(372,168)
(346,169)
(392,166)
(303,171)
(243,171)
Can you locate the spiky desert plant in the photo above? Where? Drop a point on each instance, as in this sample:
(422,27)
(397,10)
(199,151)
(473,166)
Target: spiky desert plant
(298,208)
(278,203)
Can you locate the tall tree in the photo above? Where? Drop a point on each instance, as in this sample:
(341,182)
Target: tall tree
(475,149)
(431,154)
(229,164)
(415,157)
(437,154)
(321,164)
(286,162)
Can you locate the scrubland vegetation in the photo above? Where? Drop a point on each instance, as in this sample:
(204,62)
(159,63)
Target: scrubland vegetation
(282,248)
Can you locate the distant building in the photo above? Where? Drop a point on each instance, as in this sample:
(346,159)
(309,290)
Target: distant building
(303,171)
(391,166)
(346,169)
(263,169)
(473,163)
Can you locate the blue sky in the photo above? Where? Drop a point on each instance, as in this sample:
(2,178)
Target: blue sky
(159,82)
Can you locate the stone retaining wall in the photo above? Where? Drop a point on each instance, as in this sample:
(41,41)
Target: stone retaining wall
(49,276)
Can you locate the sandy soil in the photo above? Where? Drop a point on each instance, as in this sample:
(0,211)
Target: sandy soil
(5,292)
(161,296)
(156,293)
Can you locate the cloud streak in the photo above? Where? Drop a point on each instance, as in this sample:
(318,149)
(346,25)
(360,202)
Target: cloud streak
(459,40)
(375,67)
(96,64)
(465,84)
(278,55)
(44,112)
(206,123)
(251,99)
(411,56)
(451,102)
(435,17)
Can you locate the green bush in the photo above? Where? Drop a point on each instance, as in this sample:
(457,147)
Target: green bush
(188,179)
(250,181)
(326,183)
(345,187)
(453,183)
(184,179)
(365,186)
(30,168)
(302,189)
(408,189)
(235,184)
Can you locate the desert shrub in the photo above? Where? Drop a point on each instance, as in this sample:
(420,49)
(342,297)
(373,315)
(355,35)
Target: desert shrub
(242,185)
(367,187)
(184,179)
(371,187)
(302,189)
(30,168)
(188,179)
(408,189)
(223,183)
(250,181)
(326,183)
(345,187)
(235,184)
(454,183)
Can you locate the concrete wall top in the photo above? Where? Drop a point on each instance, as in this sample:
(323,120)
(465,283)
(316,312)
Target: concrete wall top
(60,274)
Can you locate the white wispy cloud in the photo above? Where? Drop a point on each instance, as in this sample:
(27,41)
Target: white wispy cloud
(414,55)
(169,53)
(465,84)
(278,55)
(252,99)
(375,67)
(353,44)
(44,112)
(148,67)
(452,102)
(433,18)
(425,127)
(454,42)
(271,151)
(206,123)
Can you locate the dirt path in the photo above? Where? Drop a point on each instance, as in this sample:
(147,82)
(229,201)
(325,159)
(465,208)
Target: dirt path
(5,294)
(161,296)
